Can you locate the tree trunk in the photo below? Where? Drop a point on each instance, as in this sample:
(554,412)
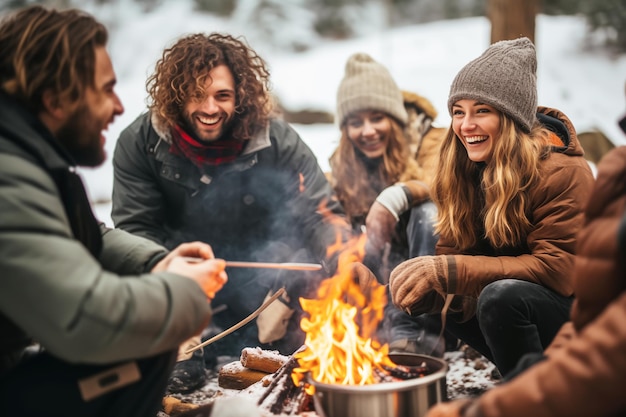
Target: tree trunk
(511,19)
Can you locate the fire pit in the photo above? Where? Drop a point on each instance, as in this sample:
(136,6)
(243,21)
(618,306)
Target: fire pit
(343,366)
(410,397)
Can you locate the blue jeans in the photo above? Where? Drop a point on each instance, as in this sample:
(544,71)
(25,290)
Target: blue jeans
(420,234)
(513,318)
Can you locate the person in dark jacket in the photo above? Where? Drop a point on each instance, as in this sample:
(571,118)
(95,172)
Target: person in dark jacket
(583,372)
(90,317)
(510,191)
(207,162)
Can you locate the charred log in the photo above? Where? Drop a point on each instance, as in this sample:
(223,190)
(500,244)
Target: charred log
(407,372)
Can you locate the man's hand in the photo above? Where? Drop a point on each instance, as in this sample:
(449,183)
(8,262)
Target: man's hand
(192,250)
(420,285)
(380,226)
(209,273)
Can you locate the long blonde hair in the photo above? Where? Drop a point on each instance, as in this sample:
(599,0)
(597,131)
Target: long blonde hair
(490,201)
(355,188)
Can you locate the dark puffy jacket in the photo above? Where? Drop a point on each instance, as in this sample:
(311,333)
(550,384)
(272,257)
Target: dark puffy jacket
(267,205)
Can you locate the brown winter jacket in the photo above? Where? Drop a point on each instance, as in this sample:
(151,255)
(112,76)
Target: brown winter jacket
(425,140)
(585,375)
(556,203)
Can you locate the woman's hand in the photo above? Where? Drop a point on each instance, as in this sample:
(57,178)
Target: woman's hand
(419,285)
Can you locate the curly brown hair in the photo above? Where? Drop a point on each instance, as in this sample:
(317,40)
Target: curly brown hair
(45,49)
(182,71)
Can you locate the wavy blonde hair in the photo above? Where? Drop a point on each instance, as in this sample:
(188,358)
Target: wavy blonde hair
(183,69)
(491,200)
(355,188)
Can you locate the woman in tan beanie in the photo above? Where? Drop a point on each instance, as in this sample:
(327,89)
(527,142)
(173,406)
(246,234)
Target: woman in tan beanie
(510,190)
(379,182)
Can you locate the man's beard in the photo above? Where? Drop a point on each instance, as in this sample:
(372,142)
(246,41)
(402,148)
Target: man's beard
(80,136)
(190,126)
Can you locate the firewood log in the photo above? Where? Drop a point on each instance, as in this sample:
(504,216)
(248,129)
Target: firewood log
(235,376)
(281,396)
(258,359)
(173,406)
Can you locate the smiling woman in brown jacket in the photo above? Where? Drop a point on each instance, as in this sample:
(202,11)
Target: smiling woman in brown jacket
(510,191)
(585,370)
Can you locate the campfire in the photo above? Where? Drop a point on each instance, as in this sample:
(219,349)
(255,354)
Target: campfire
(340,345)
(342,370)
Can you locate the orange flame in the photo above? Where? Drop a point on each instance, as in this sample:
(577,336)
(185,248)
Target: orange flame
(338,350)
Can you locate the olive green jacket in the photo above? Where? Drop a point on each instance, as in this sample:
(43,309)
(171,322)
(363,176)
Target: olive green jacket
(78,289)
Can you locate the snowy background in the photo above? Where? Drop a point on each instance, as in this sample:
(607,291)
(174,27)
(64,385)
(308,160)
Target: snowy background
(574,75)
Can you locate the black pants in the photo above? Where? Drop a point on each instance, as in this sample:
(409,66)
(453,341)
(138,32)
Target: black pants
(513,318)
(44,386)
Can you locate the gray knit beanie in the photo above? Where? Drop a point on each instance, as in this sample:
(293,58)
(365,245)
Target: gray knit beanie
(367,85)
(505,77)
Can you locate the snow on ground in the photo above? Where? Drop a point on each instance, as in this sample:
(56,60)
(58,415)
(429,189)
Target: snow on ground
(469,374)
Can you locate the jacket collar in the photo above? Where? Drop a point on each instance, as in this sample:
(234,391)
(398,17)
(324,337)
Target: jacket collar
(23,129)
(259,141)
(559,123)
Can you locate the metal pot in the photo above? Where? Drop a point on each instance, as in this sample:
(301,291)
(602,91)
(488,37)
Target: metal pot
(412,397)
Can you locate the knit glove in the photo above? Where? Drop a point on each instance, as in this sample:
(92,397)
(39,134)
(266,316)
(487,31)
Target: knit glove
(273,321)
(364,277)
(369,309)
(420,285)
(380,227)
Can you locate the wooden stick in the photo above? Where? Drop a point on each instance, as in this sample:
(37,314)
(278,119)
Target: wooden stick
(293,266)
(240,324)
(444,313)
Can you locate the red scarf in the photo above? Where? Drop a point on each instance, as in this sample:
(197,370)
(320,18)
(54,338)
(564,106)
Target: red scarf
(212,153)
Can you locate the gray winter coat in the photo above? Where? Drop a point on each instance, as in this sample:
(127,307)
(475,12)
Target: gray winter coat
(78,289)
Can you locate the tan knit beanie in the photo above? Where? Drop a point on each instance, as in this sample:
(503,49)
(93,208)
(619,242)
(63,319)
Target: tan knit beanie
(367,85)
(505,77)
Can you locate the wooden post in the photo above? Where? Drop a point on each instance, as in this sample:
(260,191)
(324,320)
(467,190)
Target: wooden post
(511,19)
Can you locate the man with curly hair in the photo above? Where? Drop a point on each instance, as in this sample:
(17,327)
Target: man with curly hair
(208,163)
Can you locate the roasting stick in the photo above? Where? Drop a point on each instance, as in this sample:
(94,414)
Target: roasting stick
(284,265)
(240,324)
(271,265)
(444,312)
